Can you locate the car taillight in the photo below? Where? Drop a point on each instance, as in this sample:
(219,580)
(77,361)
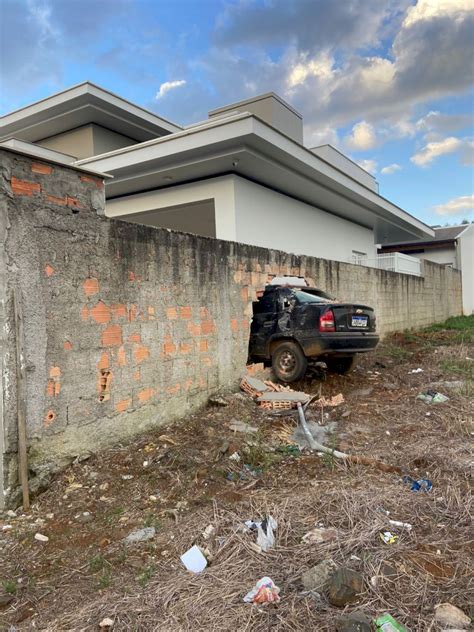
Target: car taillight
(326,321)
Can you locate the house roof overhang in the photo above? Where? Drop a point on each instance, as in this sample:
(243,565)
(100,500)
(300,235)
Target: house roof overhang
(244,145)
(81,105)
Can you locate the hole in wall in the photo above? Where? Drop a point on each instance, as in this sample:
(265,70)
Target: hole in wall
(105,377)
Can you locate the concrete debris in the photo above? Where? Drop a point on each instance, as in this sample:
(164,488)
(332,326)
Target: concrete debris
(317,577)
(241,426)
(141,535)
(264,591)
(345,587)
(218,401)
(323,402)
(451,616)
(41,538)
(253,386)
(106,623)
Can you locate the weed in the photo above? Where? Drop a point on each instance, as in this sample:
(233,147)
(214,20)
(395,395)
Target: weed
(459,367)
(10,586)
(256,454)
(151,521)
(105,579)
(146,575)
(463,323)
(328,459)
(399,353)
(114,514)
(97,563)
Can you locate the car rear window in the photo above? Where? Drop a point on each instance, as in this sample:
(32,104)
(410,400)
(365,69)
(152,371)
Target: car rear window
(305,297)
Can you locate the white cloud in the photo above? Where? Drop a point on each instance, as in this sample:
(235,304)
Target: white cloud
(389,169)
(432,150)
(429,9)
(438,121)
(167,86)
(463,205)
(362,138)
(369,165)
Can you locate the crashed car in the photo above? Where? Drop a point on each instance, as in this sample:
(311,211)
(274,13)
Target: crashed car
(294,325)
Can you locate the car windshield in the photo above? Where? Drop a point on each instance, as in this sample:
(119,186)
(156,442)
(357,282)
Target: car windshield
(305,297)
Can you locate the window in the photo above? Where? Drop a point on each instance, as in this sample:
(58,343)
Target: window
(305,297)
(358,257)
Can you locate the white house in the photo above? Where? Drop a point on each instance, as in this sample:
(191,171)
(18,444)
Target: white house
(452,246)
(242,175)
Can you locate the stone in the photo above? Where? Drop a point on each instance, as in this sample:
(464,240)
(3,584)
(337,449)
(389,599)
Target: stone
(141,535)
(451,616)
(41,538)
(318,535)
(345,587)
(354,622)
(106,623)
(317,577)
(218,401)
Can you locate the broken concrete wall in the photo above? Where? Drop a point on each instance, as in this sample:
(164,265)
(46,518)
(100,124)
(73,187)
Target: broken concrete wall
(128,327)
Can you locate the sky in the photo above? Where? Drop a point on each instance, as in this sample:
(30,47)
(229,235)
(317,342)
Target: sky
(390,83)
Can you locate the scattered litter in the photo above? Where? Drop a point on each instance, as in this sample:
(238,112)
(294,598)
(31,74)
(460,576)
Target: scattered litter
(432,397)
(403,525)
(141,535)
(318,535)
(235,456)
(264,591)
(452,616)
(208,531)
(7,527)
(41,538)
(388,537)
(166,439)
(194,560)
(420,485)
(416,370)
(106,623)
(386,623)
(127,477)
(264,528)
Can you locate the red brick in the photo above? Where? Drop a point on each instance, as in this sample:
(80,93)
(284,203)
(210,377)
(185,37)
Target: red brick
(85,313)
(101,313)
(123,404)
(169,348)
(173,390)
(55,200)
(171,313)
(141,353)
(146,394)
(135,338)
(132,313)
(234,325)
(40,167)
(49,418)
(67,345)
(98,183)
(185,312)
(23,187)
(131,276)
(194,330)
(73,202)
(119,311)
(48,270)
(203,346)
(185,348)
(90,286)
(112,336)
(104,361)
(151,312)
(54,371)
(244,294)
(207,327)
(121,356)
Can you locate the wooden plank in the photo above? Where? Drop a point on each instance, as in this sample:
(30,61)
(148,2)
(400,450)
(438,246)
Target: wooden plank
(21,400)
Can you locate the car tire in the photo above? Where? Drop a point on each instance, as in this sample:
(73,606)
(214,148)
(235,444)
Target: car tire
(289,362)
(340,365)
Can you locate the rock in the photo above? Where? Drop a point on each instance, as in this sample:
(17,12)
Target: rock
(345,587)
(317,577)
(363,392)
(142,535)
(41,538)
(354,622)
(451,616)
(106,623)
(241,426)
(11,513)
(224,446)
(345,414)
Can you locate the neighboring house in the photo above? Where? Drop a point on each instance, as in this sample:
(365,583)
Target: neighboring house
(242,175)
(451,246)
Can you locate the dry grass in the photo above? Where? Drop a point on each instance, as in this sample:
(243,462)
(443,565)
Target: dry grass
(78,579)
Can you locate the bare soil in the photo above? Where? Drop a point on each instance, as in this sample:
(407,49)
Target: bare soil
(182,479)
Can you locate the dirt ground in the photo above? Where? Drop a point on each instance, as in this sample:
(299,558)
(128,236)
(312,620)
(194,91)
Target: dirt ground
(182,479)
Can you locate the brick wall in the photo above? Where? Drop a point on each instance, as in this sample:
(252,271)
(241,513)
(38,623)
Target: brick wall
(128,327)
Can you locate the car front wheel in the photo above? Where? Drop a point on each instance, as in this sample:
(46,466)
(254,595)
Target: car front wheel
(288,362)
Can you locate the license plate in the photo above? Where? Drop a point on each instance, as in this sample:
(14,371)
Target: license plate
(360,321)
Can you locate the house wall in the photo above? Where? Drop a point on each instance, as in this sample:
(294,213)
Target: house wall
(86,141)
(272,220)
(466,259)
(128,327)
(443,256)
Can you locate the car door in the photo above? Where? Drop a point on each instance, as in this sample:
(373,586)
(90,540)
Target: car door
(263,324)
